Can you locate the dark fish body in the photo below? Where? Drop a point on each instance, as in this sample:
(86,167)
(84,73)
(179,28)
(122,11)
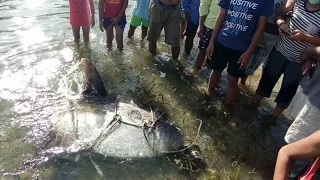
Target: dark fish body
(127,138)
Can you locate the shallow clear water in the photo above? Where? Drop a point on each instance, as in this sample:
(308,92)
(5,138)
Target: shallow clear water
(39,79)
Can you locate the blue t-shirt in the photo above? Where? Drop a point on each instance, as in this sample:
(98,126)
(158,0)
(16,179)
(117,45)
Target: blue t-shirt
(141,9)
(241,21)
(192,7)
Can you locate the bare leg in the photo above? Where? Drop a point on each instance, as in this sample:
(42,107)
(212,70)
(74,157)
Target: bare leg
(110,36)
(85,32)
(175,52)
(277,111)
(119,38)
(256,100)
(213,80)
(76,33)
(144,32)
(200,59)
(153,48)
(183,25)
(131,31)
(232,90)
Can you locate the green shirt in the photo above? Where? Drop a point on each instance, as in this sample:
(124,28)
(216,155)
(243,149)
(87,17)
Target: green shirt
(208,8)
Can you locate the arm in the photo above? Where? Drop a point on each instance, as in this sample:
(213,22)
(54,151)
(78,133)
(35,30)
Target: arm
(311,53)
(308,147)
(123,9)
(204,8)
(101,6)
(92,12)
(312,40)
(201,21)
(257,35)
(201,26)
(218,24)
(203,11)
(100,10)
(279,17)
(309,57)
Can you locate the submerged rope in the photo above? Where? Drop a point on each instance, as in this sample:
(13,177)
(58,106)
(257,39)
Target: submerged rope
(113,122)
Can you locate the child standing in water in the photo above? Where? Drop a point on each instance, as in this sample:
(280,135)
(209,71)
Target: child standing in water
(140,16)
(112,14)
(191,13)
(80,11)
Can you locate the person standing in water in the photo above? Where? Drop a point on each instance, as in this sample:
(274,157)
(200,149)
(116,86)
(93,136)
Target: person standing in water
(140,16)
(165,14)
(206,23)
(112,15)
(302,32)
(236,33)
(267,42)
(191,13)
(81,16)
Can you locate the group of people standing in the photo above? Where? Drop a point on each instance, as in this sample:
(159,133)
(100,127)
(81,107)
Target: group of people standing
(283,35)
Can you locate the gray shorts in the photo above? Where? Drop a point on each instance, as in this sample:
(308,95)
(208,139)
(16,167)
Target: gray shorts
(259,56)
(167,18)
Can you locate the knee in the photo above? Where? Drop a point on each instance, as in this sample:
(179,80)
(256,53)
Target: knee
(216,73)
(232,82)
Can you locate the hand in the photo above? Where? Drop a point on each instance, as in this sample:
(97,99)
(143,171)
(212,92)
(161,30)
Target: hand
(307,61)
(244,60)
(93,22)
(284,29)
(297,35)
(101,26)
(210,50)
(200,31)
(187,16)
(115,20)
(307,66)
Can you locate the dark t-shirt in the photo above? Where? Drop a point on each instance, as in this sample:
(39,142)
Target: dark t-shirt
(241,21)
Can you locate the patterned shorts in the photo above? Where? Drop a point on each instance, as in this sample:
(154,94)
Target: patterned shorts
(205,39)
(259,56)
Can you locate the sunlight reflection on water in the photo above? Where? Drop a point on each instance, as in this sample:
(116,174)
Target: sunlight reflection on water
(33,4)
(32,36)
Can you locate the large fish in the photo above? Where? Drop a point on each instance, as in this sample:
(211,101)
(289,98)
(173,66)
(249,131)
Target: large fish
(98,124)
(114,128)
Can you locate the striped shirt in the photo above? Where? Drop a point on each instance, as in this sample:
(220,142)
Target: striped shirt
(305,21)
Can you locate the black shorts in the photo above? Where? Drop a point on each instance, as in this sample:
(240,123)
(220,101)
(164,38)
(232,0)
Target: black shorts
(191,29)
(222,57)
(205,39)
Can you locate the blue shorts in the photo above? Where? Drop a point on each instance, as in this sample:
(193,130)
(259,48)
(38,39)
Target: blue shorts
(107,21)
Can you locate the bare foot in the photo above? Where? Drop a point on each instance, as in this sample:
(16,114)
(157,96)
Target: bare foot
(270,120)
